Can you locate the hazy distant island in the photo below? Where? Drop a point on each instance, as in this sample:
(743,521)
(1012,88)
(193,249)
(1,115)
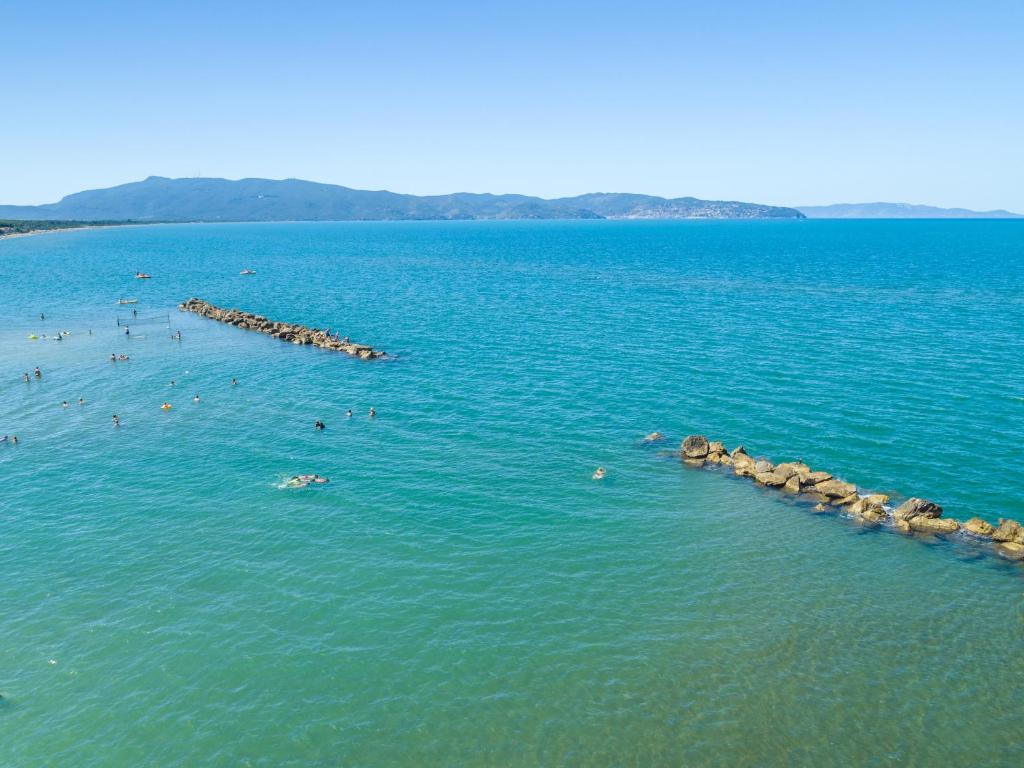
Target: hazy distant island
(897,211)
(208,199)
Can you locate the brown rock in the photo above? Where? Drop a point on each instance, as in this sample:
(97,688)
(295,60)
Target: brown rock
(835,489)
(763,465)
(933,524)
(716,446)
(771,479)
(790,468)
(695,447)
(725,459)
(813,478)
(1008,531)
(979,527)
(915,507)
(792,485)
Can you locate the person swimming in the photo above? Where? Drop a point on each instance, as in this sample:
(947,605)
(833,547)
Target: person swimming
(127,331)
(348,413)
(81,401)
(113,357)
(319,425)
(234,382)
(373,413)
(24,377)
(172,383)
(115,420)
(598,474)
(64,404)
(14,439)
(196,398)
(38,373)
(165,407)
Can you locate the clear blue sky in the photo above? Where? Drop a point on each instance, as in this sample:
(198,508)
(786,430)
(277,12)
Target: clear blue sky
(785,102)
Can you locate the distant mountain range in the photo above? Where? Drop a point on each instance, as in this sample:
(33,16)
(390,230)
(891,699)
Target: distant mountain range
(198,199)
(897,211)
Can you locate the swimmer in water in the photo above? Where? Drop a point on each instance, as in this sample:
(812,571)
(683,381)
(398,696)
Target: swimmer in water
(115,421)
(172,383)
(373,413)
(348,413)
(234,382)
(113,357)
(64,404)
(319,425)
(127,331)
(42,316)
(81,401)
(598,474)
(165,407)
(24,377)
(14,439)
(38,373)
(196,398)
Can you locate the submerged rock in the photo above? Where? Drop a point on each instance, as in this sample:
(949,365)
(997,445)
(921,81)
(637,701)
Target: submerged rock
(1010,550)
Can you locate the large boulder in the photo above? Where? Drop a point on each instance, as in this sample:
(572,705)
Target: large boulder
(771,479)
(792,484)
(933,524)
(763,465)
(915,507)
(1008,530)
(716,446)
(695,447)
(791,468)
(835,489)
(979,527)
(813,478)
(870,507)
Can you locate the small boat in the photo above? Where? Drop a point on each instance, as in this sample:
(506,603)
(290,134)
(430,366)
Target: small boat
(142,276)
(247,272)
(127,301)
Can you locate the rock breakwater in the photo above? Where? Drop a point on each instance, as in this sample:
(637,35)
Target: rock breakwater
(293,332)
(829,493)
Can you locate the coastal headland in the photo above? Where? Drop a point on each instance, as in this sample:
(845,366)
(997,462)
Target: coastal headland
(829,493)
(293,332)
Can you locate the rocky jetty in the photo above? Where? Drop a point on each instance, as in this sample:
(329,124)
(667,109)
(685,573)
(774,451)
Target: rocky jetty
(293,332)
(830,493)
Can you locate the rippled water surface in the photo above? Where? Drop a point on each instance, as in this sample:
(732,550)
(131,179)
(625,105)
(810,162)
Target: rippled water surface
(462,593)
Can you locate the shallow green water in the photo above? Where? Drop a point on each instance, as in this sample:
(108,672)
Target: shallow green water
(462,593)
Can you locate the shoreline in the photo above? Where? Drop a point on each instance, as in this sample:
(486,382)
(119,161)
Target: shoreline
(55,230)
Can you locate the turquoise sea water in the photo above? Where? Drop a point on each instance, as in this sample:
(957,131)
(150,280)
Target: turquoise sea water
(462,593)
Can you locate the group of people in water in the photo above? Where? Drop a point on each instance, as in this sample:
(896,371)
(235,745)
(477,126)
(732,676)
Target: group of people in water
(319,426)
